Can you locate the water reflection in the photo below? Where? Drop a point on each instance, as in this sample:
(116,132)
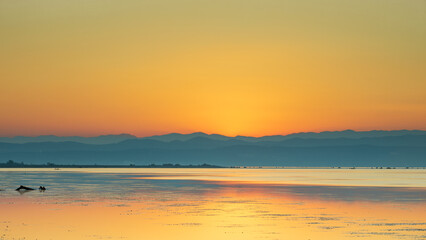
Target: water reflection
(171,204)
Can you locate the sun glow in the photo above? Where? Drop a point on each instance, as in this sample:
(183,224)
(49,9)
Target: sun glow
(79,68)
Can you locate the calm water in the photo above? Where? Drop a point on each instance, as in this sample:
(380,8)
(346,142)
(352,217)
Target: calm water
(214,204)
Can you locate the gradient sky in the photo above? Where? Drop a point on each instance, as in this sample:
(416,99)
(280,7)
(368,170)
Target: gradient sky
(247,67)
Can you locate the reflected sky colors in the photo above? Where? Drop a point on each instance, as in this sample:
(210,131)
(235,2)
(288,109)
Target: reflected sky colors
(213,204)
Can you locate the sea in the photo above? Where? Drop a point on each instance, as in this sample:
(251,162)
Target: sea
(213,203)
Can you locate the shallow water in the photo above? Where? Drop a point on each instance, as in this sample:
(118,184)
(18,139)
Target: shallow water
(214,204)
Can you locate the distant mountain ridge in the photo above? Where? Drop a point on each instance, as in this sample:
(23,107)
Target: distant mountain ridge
(321,135)
(102,139)
(345,148)
(108,139)
(207,143)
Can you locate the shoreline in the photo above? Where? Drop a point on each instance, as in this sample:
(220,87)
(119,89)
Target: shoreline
(59,167)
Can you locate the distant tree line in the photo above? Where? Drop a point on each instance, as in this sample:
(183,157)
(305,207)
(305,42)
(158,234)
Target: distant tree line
(13,164)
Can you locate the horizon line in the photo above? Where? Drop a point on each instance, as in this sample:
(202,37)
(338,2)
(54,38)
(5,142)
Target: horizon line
(200,132)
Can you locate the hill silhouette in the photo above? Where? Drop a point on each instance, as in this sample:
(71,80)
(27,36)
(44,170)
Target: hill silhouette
(346,148)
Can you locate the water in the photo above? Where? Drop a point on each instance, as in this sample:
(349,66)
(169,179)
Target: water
(214,204)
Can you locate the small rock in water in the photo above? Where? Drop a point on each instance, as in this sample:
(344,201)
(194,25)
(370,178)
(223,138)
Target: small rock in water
(24,188)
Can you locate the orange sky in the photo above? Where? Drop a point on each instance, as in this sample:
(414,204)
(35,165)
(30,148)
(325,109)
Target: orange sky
(232,67)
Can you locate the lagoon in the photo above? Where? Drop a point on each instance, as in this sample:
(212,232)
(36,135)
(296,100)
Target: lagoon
(225,203)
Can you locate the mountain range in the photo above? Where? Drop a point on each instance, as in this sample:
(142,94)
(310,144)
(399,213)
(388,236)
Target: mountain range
(399,148)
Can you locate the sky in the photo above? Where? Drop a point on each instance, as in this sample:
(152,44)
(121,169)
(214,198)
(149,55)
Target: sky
(233,67)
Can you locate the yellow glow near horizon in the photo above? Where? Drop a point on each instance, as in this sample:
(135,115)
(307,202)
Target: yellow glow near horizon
(230,67)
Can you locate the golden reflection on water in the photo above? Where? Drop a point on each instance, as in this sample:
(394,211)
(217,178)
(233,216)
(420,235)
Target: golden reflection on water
(218,209)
